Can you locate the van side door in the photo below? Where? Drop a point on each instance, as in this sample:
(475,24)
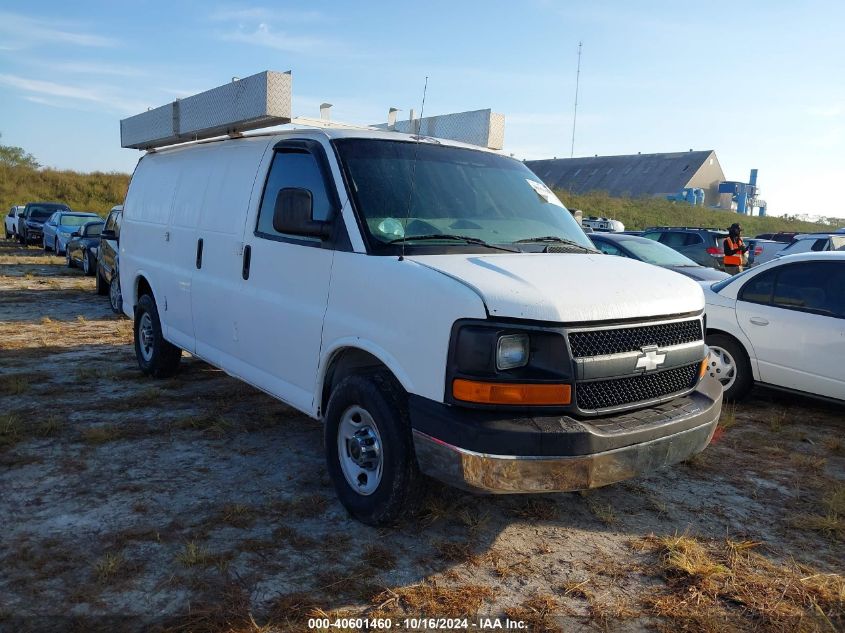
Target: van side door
(285,279)
(218,248)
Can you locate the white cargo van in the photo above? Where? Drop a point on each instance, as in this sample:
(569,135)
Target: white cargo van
(433,303)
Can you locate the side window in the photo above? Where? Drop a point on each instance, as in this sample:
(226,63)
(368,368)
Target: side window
(608,249)
(652,236)
(293,168)
(109,223)
(117,218)
(760,288)
(692,239)
(820,245)
(805,287)
(674,239)
(53,219)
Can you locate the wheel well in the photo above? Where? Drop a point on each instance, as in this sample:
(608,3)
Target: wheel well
(346,361)
(142,287)
(732,337)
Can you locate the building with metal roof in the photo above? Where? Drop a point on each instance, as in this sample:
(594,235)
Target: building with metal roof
(637,175)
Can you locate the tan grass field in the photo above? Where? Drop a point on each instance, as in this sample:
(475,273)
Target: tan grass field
(200,504)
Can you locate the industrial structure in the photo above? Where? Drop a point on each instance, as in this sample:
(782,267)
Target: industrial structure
(693,177)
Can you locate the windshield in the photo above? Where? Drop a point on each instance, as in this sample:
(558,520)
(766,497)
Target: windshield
(75,220)
(404,189)
(729,280)
(40,214)
(656,253)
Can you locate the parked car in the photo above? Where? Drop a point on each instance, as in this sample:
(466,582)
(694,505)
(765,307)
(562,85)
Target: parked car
(760,251)
(703,246)
(108,278)
(814,242)
(10,222)
(600,225)
(780,324)
(31,220)
(82,247)
(780,236)
(59,227)
(651,252)
(457,336)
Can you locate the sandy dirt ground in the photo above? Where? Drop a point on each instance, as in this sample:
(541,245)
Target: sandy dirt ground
(200,504)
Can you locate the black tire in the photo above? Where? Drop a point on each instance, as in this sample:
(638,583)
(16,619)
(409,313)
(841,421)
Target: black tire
(22,238)
(44,245)
(380,396)
(8,235)
(68,260)
(115,296)
(56,247)
(163,358)
(744,379)
(102,286)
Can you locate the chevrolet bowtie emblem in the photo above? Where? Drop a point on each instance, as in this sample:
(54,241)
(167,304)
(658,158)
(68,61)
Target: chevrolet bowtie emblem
(650,360)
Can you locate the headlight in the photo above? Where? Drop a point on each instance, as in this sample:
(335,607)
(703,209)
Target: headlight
(512,351)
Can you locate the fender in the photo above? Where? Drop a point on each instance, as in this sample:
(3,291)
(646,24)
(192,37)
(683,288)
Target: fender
(354,342)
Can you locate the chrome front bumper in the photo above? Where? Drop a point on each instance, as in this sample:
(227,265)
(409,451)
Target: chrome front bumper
(505,474)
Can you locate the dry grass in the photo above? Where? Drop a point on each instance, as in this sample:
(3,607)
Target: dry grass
(105,433)
(14,430)
(723,585)
(379,557)
(811,463)
(830,520)
(834,444)
(237,515)
(538,613)
(602,511)
(505,566)
(14,384)
(431,600)
(194,555)
(109,566)
(536,509)
(727,419)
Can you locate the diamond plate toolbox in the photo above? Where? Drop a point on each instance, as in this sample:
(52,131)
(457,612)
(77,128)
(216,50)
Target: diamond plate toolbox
(477,127)
(254,102)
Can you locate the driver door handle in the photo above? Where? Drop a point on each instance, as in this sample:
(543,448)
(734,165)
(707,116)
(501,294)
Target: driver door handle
(759,321)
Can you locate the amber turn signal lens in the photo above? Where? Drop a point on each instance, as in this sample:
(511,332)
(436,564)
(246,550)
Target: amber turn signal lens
(703,368)
(510,393)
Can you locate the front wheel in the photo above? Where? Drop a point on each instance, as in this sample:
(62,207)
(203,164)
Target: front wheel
(369,448)
(44,244)
(729,364)
(22,238)
(156,357)
(68,259)
(102,285)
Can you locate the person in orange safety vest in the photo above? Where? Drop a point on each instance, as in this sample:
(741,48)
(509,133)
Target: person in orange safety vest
(735,250)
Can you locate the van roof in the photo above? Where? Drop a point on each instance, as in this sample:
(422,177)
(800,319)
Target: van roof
(331,133)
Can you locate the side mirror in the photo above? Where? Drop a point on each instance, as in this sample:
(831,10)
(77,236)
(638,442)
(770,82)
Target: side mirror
(75,234)
(293,214)
(108,235)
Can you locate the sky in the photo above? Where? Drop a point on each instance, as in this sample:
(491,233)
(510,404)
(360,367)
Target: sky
(762,83)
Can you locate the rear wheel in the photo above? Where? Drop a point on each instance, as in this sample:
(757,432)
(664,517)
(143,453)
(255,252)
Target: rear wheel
(88,265)
(115,296)
(729,364)
(56,247)
(369,448)
(156,357)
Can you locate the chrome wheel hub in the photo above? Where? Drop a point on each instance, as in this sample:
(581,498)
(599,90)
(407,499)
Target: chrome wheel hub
(722,367)
(146,336)
(359,450)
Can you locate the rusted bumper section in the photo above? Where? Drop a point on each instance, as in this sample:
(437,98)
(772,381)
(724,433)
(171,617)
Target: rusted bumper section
(503,473)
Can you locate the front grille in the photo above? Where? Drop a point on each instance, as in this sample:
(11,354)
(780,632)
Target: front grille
(616,392)
(630,339)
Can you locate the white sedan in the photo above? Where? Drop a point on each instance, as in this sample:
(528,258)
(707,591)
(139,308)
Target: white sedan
(781,324)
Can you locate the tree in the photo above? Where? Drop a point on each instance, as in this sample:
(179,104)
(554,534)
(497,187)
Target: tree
(11,156)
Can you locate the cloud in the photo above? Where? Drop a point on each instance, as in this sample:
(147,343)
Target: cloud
(111,99)
(21,31)
(263,14)
(826,111)
(96,68)
(268,36)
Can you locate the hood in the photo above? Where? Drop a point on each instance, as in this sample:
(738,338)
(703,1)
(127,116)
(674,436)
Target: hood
(700,273)
(569,288)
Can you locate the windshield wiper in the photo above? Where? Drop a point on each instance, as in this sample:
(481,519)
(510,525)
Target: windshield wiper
(554,238)
(447,236)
